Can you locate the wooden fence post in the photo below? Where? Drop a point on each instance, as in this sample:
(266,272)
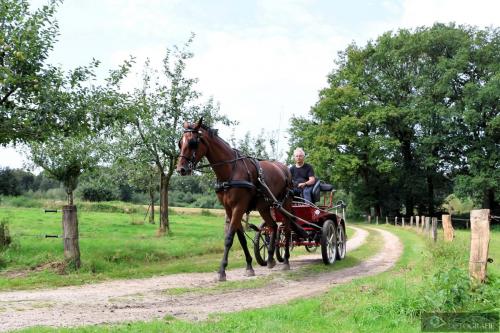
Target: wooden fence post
(427,226)
(386,220)
(434,228)
(403,221)
(376,219)
(369,219)
(396,221)
(70,235)
(422,225)
(447,228)
(411,221)
(480,239)
(417,221)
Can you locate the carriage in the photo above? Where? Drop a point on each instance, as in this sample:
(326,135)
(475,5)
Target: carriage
(322,226)
(245,183)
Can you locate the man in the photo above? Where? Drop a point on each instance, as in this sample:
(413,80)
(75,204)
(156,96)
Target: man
(302,175)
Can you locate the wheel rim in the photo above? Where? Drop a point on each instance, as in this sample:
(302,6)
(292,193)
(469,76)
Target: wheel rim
(340,240)
(263,246)
(280,240)
(331,246)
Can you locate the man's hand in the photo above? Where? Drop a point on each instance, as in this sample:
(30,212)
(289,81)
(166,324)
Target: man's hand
(301,185)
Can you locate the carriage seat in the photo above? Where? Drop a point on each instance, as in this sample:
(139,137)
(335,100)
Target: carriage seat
(319,187)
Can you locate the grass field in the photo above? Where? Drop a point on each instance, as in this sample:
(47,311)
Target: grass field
(113,245)
(427,278)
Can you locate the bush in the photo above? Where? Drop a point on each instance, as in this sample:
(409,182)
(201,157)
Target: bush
(97,194)
(22,201)
(206,202)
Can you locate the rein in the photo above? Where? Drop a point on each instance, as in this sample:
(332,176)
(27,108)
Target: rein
(208,165)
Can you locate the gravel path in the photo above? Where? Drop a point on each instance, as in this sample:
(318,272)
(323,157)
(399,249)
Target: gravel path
(148,299)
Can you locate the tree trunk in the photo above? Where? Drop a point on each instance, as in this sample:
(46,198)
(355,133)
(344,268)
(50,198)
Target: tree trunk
(430,195)
(408,169)
(164,223)
(70,236)
(489,200)
(378,210)
(70,198)
(152,206)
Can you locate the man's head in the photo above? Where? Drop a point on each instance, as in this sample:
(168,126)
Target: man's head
(298,155)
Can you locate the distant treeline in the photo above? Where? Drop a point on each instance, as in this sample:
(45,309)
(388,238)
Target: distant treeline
(195,191)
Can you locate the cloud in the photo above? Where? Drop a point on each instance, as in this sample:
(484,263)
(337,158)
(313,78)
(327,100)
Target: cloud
(426,12)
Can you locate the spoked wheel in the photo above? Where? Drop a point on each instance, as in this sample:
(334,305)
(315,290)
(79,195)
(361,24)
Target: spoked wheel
(260,244)
(329,242)
(341,242)
(280,245)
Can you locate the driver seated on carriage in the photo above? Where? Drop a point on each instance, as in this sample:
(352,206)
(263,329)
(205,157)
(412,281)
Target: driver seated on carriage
(302,176)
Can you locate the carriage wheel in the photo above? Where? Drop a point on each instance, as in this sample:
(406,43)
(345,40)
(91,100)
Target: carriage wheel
(260,243)
(341,242)
(311,248)
(280,250)
(329,242)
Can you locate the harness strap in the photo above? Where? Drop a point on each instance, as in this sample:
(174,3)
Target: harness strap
(224,186)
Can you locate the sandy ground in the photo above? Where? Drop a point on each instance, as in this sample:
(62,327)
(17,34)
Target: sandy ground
(148,299)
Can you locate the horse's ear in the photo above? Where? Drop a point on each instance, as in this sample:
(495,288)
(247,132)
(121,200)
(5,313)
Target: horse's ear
(198,125)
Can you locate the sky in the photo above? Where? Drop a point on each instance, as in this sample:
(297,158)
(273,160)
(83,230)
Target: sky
(263,61)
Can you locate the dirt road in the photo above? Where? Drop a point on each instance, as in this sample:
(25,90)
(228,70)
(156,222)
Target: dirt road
(148,299)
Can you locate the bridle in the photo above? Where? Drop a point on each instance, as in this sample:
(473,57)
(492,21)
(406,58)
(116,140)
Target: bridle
(191,165)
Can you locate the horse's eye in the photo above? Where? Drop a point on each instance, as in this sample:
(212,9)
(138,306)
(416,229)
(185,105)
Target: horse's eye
(193,144)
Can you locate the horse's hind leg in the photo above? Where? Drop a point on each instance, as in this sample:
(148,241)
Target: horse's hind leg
(288,236)
(266,215)
(248,257)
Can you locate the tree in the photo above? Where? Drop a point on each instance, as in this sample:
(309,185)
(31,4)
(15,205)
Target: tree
(477,123)
(66,158)
(407,113)
(26,38)
(156,113)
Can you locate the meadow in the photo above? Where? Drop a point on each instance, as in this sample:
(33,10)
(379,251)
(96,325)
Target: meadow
(429,277)
(115,242)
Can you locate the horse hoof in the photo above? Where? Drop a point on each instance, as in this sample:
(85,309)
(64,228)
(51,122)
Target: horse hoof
(271,264)
(222,278)
(286,267)
(250,272)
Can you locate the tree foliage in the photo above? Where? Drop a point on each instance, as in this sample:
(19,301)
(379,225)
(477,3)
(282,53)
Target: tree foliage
(407,117)
(156,113)
(26,38)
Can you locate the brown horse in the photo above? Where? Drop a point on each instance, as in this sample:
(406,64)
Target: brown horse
(243,184)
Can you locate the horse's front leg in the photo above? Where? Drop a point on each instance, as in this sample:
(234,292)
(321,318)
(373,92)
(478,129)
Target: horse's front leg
(228,242)
(248,257)
(234,225)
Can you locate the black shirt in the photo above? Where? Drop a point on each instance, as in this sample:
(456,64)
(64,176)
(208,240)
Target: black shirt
(302,174)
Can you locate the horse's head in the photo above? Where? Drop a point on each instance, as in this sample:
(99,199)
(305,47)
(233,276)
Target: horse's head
(192,148)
